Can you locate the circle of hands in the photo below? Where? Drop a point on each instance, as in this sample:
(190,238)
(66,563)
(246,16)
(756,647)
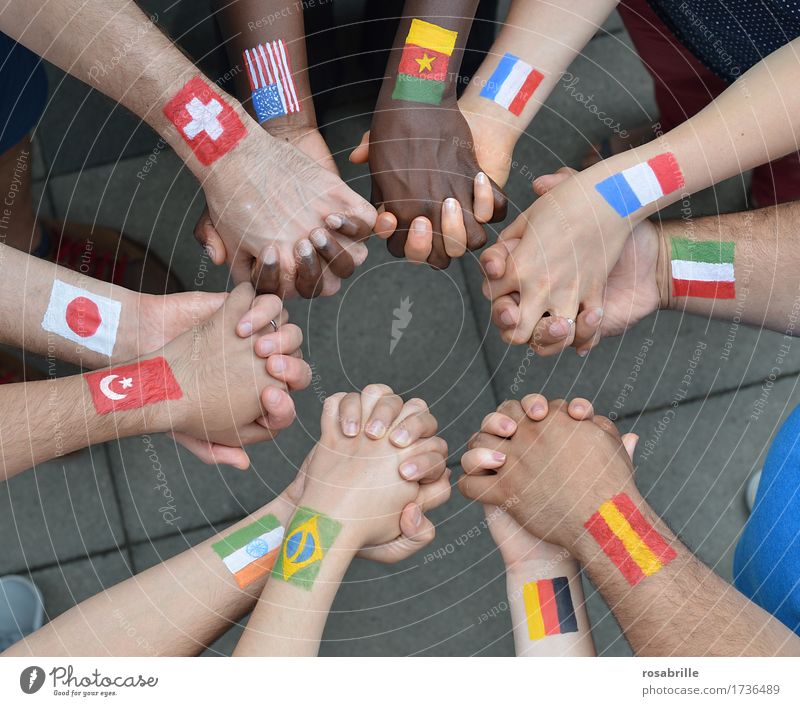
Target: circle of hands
(316,228)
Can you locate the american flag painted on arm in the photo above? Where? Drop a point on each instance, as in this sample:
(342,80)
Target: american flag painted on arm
(270,76)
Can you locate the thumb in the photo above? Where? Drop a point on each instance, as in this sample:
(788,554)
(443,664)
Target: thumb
(206,234)
(239,301)
(360,155)
(548,182)
(417,531)
(629,441)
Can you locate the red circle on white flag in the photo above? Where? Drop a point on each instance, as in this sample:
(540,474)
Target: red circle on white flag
(83,317)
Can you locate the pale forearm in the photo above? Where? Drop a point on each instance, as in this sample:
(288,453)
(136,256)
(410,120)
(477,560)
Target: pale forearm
(548,610)
(670,604)
(65,314)
(177,608)
(755,267)
(546,36)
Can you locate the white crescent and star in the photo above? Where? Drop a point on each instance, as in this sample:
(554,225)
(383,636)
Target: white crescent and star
(105,388)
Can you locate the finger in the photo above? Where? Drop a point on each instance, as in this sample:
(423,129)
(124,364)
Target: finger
(432,495)
(607,425)
(484,489)
(500,203)
(213,454)
(279,410)
(476,234)
(383,415)
(423,467)
(587,330)
(535,406)
(338,260)
(309,270)
(285,341)
(505,314)
(346,225)
(438,258)
(629,441)
(206,234)
(580,409)
(551,334)
(360,155)
(482,440)
(377,195)
(385,225)
(417,426)
(483,198)
(493,260)
(548,182)
(498,424)
(265,308)
(266,270)
(418,531)
(332,415)
(370,396)
(530,311)
(512,409)
(419,241)
(453,230)
(295,373)
(479,460)
(350,414)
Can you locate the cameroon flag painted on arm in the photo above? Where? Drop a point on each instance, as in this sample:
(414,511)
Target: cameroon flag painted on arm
(422,73)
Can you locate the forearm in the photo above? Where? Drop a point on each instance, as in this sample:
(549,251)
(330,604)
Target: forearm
(65,314)
(666,601)
(752,122)
(424,62)
(54,417)
(734,266)
(150,72)
(251,28)
(177,608)
(548,610)
(546,37)
(293,608)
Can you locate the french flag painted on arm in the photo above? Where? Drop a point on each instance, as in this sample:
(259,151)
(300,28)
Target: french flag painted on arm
(512,84)
(629,190)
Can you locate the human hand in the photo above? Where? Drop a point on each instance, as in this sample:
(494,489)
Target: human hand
(633,289)
(553,471)
(230,395)
(266,201)
(423,164)
(358,480)
(567,246)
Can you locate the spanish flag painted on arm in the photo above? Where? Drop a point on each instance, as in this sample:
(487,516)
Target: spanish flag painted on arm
(422,74)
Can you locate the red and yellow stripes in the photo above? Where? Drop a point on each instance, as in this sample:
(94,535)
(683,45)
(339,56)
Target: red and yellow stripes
(628,539)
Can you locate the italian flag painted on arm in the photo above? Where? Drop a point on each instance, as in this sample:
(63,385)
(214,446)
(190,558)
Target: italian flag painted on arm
(703,269)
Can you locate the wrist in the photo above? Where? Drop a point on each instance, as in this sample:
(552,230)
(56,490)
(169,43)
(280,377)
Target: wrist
(664,268)
(561,564)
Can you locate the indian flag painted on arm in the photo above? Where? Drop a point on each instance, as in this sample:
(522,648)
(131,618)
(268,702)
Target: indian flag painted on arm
(703,269)
(422,74)
(250,552)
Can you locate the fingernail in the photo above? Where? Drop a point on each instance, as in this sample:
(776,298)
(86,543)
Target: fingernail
(334,221)
(376,429)
(594,317)
(271,255)
(450,205)
(278,365)
(416,516)
(418,226)
(583,354)
(245,329)
(409,471)
(319,237)
(273,396)
(507,425)
(482,179)
(350,428)
(579,408)
(492,268)
(507,318)
(304,248)
(400,436)
(210,252)
(537,409)
(498,456)
(266,347)
(559,329)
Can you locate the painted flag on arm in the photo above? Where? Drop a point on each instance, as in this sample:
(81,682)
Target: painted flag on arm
(270,75)
(628,539)
(308,539)
(82,317)
(134,385)
(629,190)
(548,608)
(250,552)
(422,74)
(703,269)
(512,84)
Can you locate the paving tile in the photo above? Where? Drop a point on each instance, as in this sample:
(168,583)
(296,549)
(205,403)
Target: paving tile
(68,584)
(61,510)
